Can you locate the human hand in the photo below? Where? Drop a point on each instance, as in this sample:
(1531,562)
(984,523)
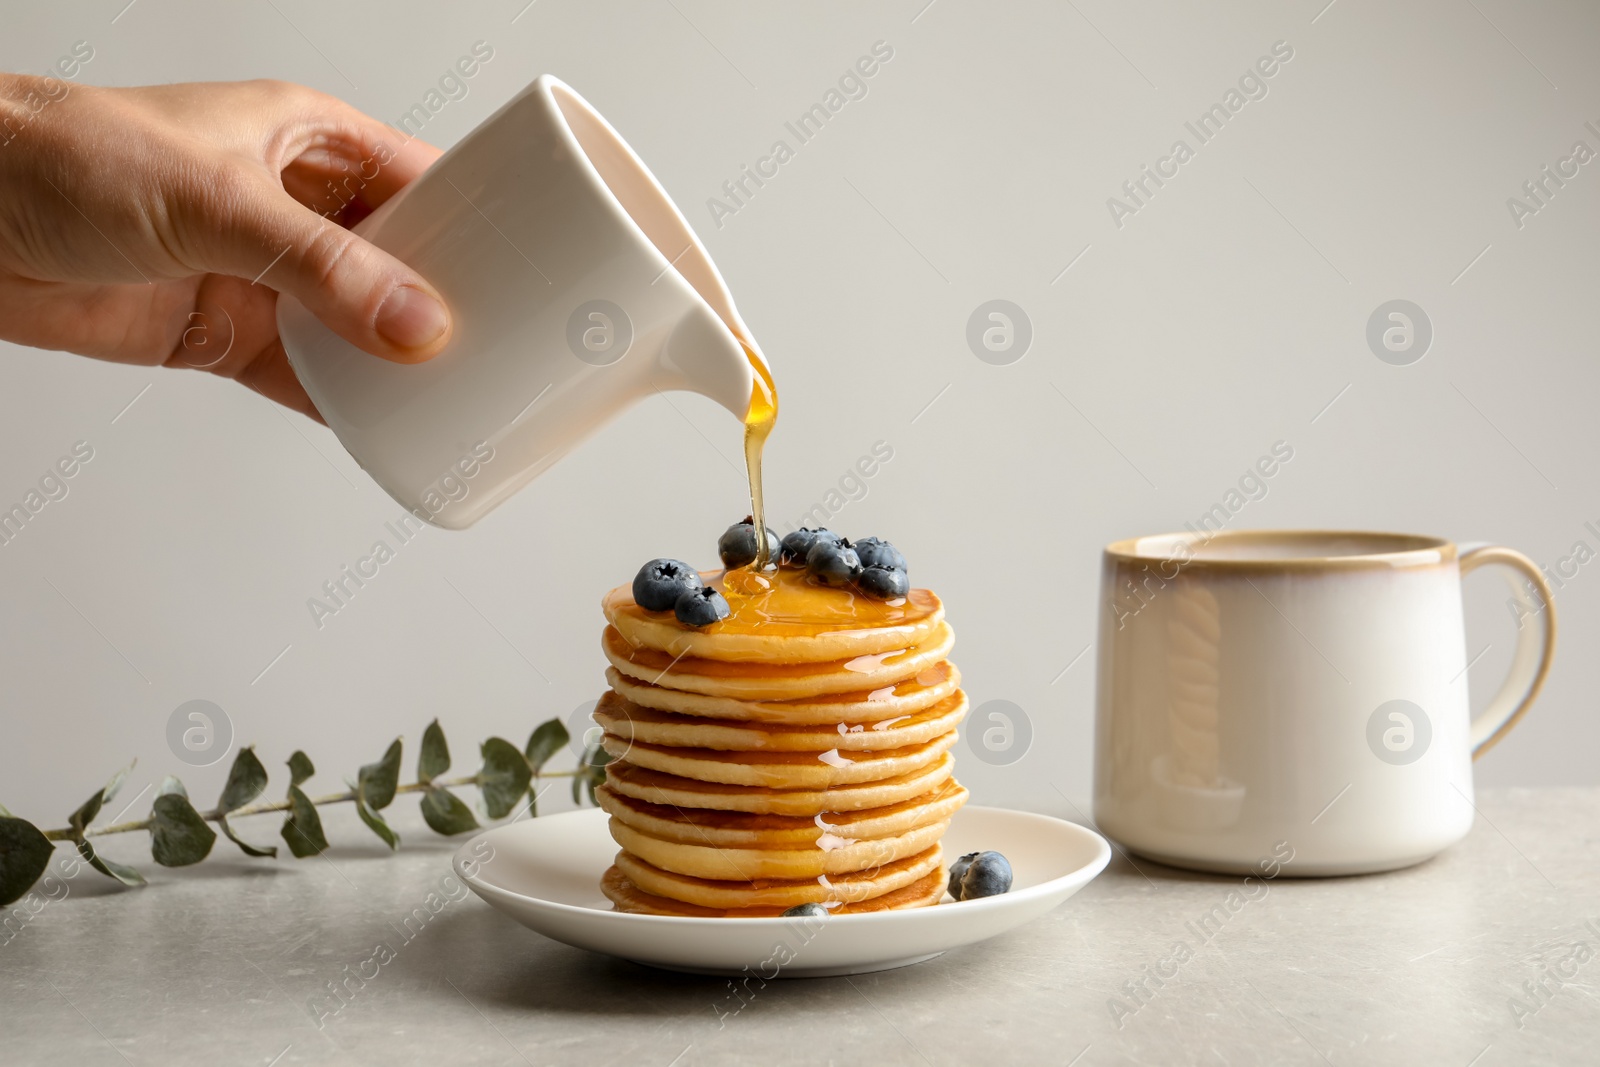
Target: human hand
(152,226)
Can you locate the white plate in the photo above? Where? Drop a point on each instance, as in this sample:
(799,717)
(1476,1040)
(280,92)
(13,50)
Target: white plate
(545,873)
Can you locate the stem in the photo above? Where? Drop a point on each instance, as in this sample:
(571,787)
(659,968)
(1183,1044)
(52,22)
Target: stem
(268,806)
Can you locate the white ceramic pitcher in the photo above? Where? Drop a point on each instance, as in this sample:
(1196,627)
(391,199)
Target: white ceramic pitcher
(576,287)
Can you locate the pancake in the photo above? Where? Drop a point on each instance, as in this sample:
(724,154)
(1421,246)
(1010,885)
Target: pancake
(907,697)
(667,789)
(778,893)
(775,681)
(627,720)
(786,619)
(625,896)
(779,770)
(796,751)
(838,856)
(735,829)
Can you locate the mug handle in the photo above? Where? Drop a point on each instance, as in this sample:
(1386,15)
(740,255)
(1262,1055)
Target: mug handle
(1531,663)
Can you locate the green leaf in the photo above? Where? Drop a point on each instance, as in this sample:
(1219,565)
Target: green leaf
(178,835)
(244,846)
(80,819)
(376,782)
(376,824)
(591,772)
(434,757)
(545,741)
(302,830)
(504,778)
(247,779)
(110,868)
(300,768)
(115,785)
(24,856)
(446,813)
(375,786)
(79,822)
(171,786)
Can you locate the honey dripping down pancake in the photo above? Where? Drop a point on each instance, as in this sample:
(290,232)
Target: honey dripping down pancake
(739,829)
(776,741)
(631,722)
(671,791)
(746,680)
(907,697)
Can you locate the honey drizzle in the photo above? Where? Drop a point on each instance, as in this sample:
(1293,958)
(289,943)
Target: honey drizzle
(758,422)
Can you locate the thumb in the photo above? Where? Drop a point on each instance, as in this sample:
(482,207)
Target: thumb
(359,291)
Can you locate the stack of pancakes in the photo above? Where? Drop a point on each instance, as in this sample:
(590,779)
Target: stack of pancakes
(796,752)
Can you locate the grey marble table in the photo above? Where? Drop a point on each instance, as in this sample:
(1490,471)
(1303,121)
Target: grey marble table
(1483,956)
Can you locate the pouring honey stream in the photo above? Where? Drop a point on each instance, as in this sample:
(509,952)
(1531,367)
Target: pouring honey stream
(758,422)
(750,589)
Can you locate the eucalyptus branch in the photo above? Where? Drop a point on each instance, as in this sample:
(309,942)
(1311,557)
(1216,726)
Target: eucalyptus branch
(268,807)
(180,834)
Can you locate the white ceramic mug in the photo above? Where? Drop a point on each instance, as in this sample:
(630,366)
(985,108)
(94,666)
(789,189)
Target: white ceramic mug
(576,287)
(1303,693)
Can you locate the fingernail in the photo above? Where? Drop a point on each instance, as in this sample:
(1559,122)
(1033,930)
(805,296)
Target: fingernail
(411,318)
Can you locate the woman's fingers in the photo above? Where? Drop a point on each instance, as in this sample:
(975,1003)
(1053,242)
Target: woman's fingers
(270,375)
(342,164)
(346,164)
(214,196)
(231,330)
(276,169)
(362,293)
(216,323)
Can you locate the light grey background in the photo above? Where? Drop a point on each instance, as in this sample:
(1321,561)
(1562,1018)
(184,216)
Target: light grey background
(1168,354)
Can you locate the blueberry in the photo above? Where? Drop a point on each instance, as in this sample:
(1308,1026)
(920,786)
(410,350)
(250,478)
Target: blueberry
(987,875)
(883,583)
(805,911)
(701,607)
(737,545)
(833,564)
(957,869)
(876,552)
(660,583)
(797,543)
